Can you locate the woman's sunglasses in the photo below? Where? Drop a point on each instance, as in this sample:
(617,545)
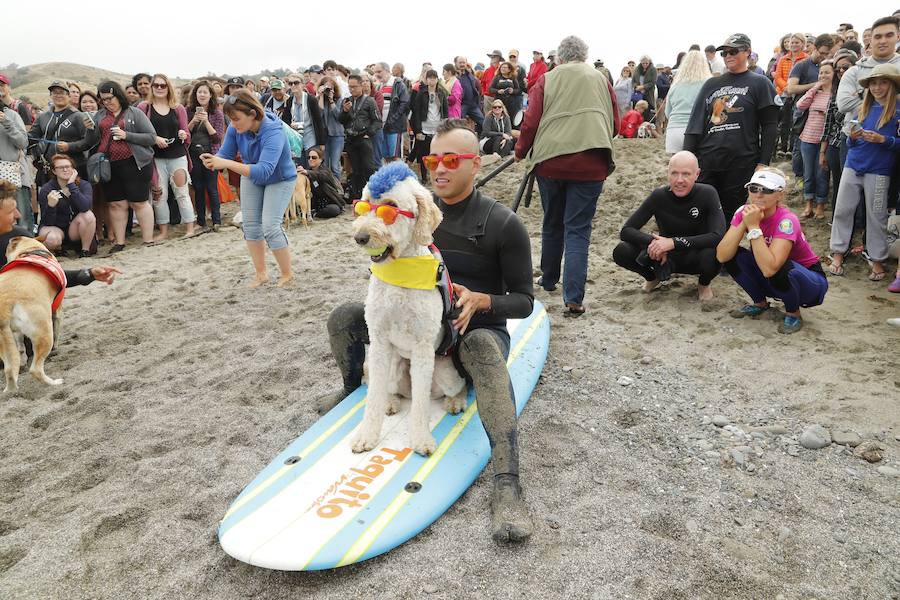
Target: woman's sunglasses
(386,212)
(755,188)
(159,86)
(450,160)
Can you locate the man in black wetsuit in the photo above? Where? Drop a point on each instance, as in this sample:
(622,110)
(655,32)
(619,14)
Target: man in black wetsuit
(488,254)
(690,223)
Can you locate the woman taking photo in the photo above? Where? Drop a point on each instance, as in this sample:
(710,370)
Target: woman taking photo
(429,109)
(207,127)
(873,144)
(330,104)
(170,121)
(267,175)
(126,136)
(780,263)
(505,87)
(496,131)
(686,86)
(65,203)
(815,177)
(454,92)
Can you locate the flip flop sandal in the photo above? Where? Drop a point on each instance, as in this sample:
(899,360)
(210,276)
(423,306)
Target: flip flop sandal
(877,275)
(836,270)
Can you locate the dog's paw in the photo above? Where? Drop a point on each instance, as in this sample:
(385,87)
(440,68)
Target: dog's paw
(455,404)
(10,388)
(423,443)
(393,406)
(363,443)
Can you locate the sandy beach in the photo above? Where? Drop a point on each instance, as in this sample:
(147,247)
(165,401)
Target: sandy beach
(661,451)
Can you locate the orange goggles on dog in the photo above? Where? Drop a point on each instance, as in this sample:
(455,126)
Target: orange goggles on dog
(386,212)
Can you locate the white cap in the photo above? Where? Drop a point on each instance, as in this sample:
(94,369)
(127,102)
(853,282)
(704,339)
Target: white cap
(768,179)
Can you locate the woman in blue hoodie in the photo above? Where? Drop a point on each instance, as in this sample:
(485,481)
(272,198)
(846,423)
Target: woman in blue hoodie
(267,175)
(873,142)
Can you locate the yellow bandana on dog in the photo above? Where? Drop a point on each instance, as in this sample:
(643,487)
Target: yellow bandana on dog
(413,272)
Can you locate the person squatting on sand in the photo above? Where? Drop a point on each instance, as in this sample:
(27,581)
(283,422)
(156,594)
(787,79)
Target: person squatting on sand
(691,225)
(267,175)
(65,203)
(780,263)
(566,139)
(488,255)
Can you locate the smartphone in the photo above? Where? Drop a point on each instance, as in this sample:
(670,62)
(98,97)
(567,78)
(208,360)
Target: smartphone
(855,127)
(170,141)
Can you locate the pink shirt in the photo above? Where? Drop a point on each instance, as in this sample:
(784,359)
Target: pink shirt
(816,102)
(786,226)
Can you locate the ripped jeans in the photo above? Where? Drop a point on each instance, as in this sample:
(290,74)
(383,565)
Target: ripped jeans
(165,169)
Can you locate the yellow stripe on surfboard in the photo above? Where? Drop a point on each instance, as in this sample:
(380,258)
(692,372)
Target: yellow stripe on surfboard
(302,454)
(369,536)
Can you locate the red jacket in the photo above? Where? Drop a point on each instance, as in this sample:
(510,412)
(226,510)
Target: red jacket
(631,122)
(45,262)
(535,72)
(486,78)
(588,165)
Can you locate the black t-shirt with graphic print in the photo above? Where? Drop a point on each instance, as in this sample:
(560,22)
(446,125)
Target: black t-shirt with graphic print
(728,119)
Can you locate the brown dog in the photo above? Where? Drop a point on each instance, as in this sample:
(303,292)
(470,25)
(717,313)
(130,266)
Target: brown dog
(32,286)
(301,202)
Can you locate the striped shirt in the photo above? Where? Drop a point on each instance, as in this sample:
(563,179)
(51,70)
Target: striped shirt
(815,101)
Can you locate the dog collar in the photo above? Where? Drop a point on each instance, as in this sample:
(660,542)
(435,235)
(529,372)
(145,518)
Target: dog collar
(413,272)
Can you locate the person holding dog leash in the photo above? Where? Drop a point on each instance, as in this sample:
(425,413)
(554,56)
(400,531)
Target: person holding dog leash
(488,255)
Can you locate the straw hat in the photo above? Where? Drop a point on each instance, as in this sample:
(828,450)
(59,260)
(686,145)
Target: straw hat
(886,70)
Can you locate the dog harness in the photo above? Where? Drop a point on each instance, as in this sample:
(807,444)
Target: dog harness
(425,272)
(45,262)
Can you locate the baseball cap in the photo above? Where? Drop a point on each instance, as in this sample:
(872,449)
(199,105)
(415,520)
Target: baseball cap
(263,78)
(552,54)
(768,179)
(57,84)
(754,56)
(513,52)
(736,40)
(845,53)
(4,79)
(496,53)
(537,52)
(235,81)
(315,69)
(277,84)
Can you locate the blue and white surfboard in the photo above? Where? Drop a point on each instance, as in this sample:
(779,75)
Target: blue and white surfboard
(319,506)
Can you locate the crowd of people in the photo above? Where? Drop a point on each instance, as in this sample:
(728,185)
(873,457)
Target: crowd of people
(92,164)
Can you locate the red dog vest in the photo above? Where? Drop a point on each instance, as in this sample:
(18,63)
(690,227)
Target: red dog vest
(47,264)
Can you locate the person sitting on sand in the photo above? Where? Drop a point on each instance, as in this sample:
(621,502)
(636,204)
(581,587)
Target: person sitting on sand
(327,193)
(632,120)
(780,263)
(690,222)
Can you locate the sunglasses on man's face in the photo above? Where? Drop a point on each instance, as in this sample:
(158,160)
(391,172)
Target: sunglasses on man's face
(388,213)
(450,160)
(755,188)
(731,52)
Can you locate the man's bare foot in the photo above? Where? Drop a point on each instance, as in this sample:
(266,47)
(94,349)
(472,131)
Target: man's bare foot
(649,286)
(258,281)
(704,293)
(285,281)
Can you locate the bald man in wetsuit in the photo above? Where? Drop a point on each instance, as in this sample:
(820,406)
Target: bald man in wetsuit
(488,254)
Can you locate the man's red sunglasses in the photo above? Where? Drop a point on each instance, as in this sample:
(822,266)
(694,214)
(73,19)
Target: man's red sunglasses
(386,212)
(450,160)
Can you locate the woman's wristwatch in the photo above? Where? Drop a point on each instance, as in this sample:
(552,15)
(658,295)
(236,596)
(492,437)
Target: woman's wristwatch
(754,233)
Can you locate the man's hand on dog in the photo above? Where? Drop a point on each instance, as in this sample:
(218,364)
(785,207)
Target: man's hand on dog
(470,302)
(105,274)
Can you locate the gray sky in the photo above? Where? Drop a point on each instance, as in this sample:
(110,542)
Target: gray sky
(189,38)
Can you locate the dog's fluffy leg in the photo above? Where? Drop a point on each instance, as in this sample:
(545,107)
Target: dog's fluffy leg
(447,379)
(397,383)
(9,351)
(42,341)
(379,359)
(421,370)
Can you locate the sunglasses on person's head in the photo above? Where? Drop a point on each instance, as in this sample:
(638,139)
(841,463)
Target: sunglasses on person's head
(450,160)
(731,52)
(388,213)
(755,188)
(160,86)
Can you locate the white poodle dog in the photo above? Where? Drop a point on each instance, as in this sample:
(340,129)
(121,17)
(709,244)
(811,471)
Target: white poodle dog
(404,308)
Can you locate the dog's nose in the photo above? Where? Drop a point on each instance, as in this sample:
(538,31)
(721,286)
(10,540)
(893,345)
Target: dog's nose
(362,238)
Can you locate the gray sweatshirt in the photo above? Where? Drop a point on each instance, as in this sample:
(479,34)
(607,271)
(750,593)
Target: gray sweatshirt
(140,134)
(849,94)
(13,138)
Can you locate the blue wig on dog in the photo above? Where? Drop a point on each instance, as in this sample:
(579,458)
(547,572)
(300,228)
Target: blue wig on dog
(386,177)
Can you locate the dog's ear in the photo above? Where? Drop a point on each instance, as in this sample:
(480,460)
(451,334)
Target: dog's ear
(41,238)
(429,218)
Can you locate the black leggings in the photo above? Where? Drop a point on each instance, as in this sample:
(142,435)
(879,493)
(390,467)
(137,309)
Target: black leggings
(495,144)
(482,354)
(691,262)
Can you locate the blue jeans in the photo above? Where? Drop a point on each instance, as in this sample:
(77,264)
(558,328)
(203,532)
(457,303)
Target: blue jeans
(793,284)
(206,182)
(377,145)
(389,148)
(569,208)
(23,203)
(334,145)
(262,210)
(815,178)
